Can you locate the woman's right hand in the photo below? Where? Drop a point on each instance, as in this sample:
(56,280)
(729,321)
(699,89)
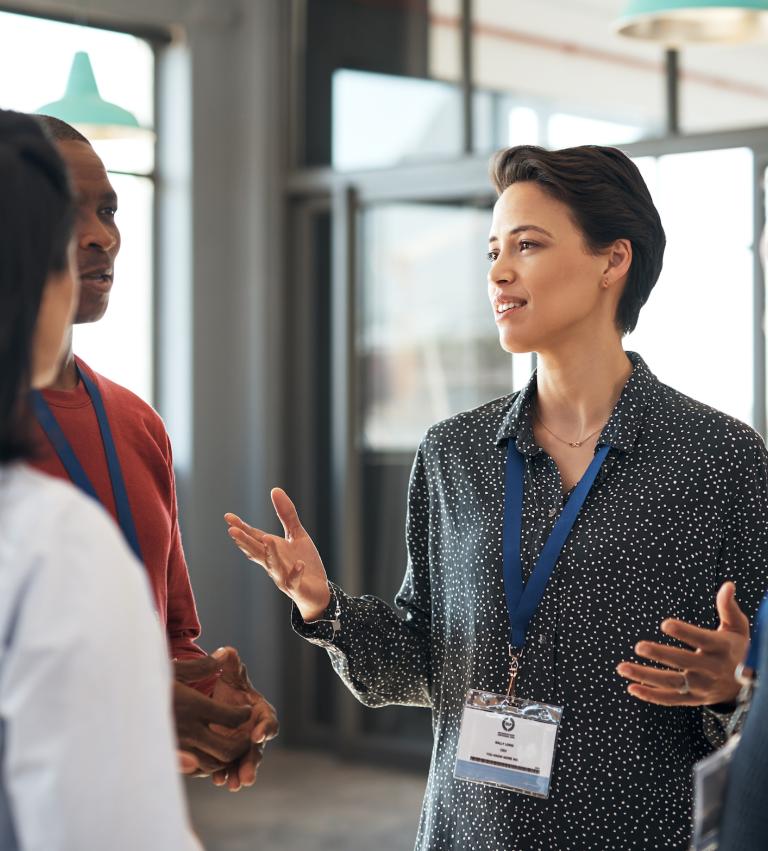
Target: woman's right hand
(293,562)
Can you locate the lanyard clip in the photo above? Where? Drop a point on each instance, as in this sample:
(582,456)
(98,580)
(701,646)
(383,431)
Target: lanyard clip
(514,668)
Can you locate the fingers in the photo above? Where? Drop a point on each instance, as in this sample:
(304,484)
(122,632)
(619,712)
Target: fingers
(219,778)
(286,512)
(207,765)
(731,616)
(251,546)
(197,669)
(695,636)
(224,714)
(646,676)
(229,661)
(674,657)
(266,729)
(187,762)
(233,520)
(222,747)
(247,768)
(662,696)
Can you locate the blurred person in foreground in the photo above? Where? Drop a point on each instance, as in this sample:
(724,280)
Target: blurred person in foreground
(551,533)
(85,712)
(745,817)
(114,446)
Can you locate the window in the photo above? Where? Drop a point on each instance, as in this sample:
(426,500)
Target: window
(696,331)
(120,345)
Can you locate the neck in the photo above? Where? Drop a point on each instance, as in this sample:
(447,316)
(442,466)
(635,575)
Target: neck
(578,386)
(67,377)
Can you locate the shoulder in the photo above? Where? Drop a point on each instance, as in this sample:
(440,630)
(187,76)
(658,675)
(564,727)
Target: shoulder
(64,543)
(711,430)
(131,408)
(468,427)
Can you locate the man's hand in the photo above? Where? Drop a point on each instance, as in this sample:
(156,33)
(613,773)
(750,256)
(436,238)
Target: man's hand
(211,733)
(234,688)
(698,677)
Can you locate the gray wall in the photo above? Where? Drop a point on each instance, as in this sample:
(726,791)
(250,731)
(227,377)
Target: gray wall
(219,288)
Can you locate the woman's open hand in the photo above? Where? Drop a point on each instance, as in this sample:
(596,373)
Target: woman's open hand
(292,562)
(703,675)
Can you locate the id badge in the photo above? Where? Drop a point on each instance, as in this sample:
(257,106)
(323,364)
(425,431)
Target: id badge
(507,742)
(710,778)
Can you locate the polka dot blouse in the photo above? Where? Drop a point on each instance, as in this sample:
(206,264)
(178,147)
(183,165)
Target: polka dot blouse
(680,505)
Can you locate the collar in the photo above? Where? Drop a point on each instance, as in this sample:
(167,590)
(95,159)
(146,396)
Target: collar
(623,426)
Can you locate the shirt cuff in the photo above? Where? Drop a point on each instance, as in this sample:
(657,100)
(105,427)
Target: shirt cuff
(325,629)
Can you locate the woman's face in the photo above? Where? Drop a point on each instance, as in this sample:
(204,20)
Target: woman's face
(545,287)
(57,310)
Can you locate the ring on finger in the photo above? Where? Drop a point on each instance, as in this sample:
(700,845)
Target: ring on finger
(685,688)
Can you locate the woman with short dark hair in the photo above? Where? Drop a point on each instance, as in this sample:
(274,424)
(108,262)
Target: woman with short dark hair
(548,532)
(86,744)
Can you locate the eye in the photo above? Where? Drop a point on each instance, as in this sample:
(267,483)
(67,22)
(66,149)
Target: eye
(492,255)
(525,244)
(111,212)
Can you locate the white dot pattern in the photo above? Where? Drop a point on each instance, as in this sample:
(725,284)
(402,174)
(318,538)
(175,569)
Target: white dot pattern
(680,505)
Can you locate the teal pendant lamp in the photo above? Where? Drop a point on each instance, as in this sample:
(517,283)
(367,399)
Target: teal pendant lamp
(678,22)
(84,108)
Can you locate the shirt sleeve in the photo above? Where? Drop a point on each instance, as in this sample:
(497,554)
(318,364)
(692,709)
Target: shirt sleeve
(183,625)
(89,750)
(744,554)
(745,817)
(382,656)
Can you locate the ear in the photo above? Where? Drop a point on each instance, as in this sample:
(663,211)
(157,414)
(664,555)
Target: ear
(619,260)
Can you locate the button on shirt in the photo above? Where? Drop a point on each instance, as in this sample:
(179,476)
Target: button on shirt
(680,506)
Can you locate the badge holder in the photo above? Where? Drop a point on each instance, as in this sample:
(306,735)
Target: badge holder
(506,741)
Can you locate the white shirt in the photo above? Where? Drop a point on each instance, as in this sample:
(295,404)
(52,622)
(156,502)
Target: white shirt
(87,748)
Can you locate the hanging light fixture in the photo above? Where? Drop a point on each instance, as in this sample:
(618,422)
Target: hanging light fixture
(83,107)
(679,22)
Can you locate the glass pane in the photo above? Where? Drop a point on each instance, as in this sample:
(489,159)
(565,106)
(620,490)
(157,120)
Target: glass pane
(567,65)
(380,120)
(696,332)
(374,75)
(724,87)
(120,345)
(427,341)
(123,66)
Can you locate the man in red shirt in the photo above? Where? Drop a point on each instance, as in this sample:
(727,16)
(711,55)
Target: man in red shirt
(115,447)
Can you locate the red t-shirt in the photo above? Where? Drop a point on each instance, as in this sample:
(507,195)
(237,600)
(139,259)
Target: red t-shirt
(144,450)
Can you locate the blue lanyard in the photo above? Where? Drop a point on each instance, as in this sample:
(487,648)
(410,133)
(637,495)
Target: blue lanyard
(75,469)
(761,623)
(523,599)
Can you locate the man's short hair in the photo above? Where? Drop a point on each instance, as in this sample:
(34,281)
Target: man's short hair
(59,130)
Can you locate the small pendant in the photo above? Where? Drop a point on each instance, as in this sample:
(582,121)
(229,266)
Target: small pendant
(575,445)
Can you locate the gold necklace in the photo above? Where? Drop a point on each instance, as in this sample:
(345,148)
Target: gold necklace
(574,444)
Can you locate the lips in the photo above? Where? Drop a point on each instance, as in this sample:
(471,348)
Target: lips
(507,307)
(97,279)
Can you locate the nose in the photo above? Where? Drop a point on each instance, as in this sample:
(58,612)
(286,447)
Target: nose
(95,234)
(501,271)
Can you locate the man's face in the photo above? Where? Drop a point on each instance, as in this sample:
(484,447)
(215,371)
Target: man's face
(97,236)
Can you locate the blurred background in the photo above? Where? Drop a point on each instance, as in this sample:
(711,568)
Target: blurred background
(301,289)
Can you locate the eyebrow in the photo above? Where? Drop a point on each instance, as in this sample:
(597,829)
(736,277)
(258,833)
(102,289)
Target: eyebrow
(520,229)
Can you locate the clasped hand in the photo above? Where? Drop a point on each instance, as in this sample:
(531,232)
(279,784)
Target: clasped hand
(700,676)
(223,735)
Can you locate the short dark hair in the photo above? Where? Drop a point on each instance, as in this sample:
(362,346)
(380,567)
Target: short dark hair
(36,222)
(59,130)
(608,200)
